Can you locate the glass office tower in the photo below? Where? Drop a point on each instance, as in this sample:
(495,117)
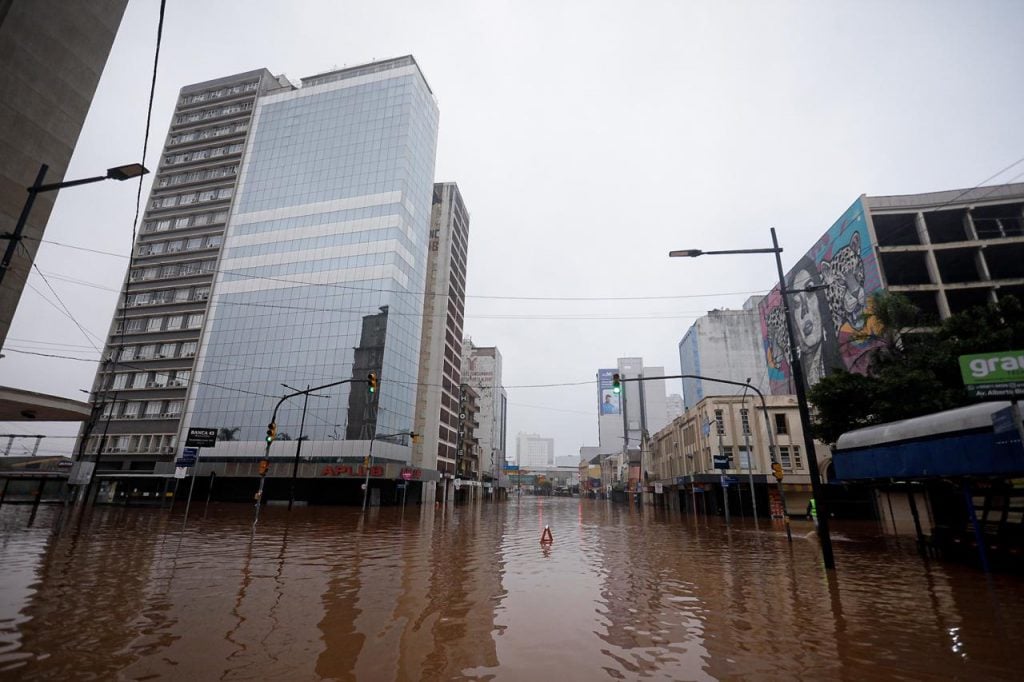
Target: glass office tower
(322,272)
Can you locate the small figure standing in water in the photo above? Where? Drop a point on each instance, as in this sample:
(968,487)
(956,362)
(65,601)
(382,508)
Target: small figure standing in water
(812,511)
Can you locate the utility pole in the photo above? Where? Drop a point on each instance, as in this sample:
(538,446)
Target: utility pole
(625,436)
(459,440)
(371,380)
(745,425)
(298,448)
(642,480)
(721,453)
(805,416)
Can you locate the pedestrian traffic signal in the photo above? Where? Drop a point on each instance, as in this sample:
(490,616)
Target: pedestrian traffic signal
(616,384)
(271,432)
(777,471)
(264,467)
(371,382)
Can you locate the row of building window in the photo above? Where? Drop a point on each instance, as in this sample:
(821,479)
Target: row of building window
(165,379)
(201,154)
(149,444)
(161,323)
(197,176)
(208,133)
(194,220)
(192,197)
(158,351)
(165,296)
(143,409)
(219,93)
(781,425)
(172,270)
(216,112)
(179,245)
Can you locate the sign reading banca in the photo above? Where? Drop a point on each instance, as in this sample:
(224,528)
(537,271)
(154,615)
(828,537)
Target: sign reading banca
(994,375)
(201,438)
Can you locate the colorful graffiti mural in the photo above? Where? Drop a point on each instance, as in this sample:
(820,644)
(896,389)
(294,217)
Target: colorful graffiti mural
(832,323)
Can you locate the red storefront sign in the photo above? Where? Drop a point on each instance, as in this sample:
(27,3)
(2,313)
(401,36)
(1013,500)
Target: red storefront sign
(359,471)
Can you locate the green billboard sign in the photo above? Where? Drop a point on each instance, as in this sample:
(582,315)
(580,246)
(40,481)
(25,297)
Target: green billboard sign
(994,375)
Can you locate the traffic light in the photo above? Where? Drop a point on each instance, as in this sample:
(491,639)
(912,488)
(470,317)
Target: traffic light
(264,467)
(271,431)
(616,384)
(371,382)
(777,471)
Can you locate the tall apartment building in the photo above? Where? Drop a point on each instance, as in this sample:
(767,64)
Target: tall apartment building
(945,251)
(532,450)
(725,344)
(481,368)
(440,359)
(154,335)
(318,276)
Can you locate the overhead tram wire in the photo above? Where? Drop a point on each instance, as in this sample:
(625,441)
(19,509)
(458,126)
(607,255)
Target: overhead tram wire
(85,333)
(528,298)
(269,395)
(141,369)
(495,297)
(514,316)
(65,312)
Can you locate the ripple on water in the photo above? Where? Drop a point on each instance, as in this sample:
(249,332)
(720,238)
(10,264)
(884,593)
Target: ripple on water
(324,593)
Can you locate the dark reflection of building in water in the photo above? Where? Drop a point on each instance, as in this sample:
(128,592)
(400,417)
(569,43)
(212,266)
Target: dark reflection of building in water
(417,602)
(654,619)
(369,357)
(93,584)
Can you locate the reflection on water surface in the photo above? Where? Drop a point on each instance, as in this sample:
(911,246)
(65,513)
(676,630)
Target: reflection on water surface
(470,593)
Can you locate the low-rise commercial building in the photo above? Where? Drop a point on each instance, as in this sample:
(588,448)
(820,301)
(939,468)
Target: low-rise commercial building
(725,443)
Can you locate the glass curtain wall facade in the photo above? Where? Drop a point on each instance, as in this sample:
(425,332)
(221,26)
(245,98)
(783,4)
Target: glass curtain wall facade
(323,267)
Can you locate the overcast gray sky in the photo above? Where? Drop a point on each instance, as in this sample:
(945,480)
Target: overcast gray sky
(588,138)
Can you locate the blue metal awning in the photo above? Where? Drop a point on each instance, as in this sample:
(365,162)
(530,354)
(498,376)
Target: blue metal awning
(953,443)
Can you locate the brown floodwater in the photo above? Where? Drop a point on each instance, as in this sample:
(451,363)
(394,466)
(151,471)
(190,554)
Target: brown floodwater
(470,593)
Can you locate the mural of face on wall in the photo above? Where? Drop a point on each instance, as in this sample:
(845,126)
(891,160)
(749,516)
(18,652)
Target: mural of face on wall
(806,311)
(832,326)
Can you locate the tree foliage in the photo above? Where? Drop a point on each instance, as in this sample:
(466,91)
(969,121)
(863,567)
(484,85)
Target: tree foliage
(914,370)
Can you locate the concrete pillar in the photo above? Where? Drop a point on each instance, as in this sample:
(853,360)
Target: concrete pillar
(933,265)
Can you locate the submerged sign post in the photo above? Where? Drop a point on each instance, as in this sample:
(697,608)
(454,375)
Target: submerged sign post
(994,375)
(197,438)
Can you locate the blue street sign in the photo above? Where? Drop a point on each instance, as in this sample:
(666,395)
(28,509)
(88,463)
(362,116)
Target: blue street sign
(188,457)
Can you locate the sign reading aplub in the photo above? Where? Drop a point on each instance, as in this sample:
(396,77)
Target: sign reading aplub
(994,375)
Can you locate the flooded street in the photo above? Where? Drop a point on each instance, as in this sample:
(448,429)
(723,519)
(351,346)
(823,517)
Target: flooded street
(470,593)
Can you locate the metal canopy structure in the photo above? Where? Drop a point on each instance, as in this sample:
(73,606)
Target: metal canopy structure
(18,405)
(955,443)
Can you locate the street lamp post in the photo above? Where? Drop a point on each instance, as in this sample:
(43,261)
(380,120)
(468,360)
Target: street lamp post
(801,393)
(126,172)
(298,444)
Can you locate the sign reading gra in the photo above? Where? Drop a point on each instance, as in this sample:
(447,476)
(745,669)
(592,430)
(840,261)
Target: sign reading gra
(994,375)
